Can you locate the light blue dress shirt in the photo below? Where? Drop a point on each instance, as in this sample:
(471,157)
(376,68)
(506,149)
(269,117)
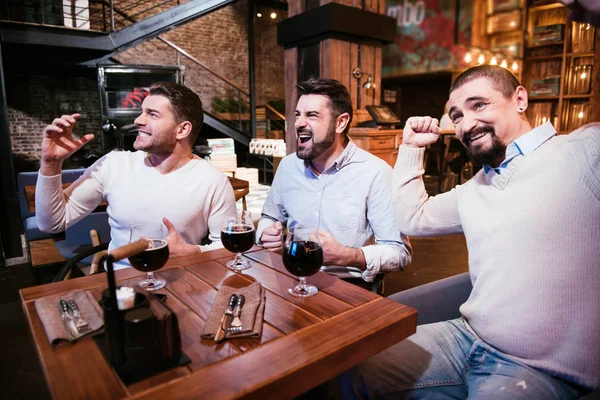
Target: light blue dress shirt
(351,200)
(524,145)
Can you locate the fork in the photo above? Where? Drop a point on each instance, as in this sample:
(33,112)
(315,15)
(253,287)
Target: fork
(81,325)
(67,320)
(236,324)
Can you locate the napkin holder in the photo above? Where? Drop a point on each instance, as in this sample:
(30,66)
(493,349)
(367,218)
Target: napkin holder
(134,341)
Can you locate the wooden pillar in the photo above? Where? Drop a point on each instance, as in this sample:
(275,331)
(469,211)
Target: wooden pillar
(330,41)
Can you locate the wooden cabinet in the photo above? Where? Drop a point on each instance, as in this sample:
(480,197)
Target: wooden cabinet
(379,142)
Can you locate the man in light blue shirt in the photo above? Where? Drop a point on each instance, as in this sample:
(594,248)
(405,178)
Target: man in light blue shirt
(334,186)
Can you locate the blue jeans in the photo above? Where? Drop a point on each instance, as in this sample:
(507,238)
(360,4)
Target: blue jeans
(446,360)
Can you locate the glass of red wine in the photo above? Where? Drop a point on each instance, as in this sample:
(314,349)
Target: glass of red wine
(154,257)
(237,236)
(302,257)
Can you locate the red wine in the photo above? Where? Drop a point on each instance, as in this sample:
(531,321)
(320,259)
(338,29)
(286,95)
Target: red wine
(238,238)
(303,258)
(153,258)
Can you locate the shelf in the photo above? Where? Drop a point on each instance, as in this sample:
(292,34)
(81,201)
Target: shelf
(581,54)
(544,58)
(548,6)
(577,96)
(562,42)
(541,98)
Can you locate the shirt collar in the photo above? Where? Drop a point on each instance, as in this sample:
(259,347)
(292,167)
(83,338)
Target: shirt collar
(342,160)
(526,144)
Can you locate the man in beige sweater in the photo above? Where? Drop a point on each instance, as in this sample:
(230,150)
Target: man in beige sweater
(531,217)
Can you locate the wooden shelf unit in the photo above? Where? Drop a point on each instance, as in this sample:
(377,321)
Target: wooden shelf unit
(558,59)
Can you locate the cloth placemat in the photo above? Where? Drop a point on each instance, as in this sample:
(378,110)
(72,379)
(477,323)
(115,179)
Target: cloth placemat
(49,312)
(252,315)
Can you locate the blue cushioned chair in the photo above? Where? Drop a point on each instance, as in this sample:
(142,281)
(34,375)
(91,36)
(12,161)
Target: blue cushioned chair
(437,301)
(78,236)
(30,226)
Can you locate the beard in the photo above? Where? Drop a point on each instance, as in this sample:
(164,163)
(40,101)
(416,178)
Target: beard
(491,156)
(158,144)
(317,148)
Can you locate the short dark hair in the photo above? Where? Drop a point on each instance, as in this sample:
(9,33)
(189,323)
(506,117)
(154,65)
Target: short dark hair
(338,95)
(502,79)
(185,103)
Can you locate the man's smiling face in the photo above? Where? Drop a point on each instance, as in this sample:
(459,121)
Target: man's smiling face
(484,119)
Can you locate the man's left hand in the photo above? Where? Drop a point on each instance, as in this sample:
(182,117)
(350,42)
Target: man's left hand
(177,246)
(332,249)
(335,253)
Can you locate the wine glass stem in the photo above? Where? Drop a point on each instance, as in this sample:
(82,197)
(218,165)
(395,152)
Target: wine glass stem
(302,284)
(238,258)
(150,276)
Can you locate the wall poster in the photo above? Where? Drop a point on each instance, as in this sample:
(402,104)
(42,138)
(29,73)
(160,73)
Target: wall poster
(426,38)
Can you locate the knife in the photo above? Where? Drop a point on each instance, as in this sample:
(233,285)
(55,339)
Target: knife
(226,319)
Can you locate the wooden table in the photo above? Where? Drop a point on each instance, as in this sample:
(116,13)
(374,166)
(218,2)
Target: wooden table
(240,187)
(305,341)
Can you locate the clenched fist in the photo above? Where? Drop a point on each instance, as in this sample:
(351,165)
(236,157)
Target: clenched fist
(420,131)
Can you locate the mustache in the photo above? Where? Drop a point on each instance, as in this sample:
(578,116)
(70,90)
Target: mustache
(482,129)
(303,129)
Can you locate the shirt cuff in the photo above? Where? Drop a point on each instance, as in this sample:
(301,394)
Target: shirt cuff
(373,267)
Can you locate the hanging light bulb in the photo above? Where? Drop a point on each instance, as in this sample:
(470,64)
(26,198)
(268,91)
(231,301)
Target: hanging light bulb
(259,15)
(493,61)
(544,119)
(273,15)
(468,57)
(514,66)
(580,115)
(583,75)
(481,59)
(503,64)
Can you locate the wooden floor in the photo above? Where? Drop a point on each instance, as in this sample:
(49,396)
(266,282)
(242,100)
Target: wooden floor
(433,258)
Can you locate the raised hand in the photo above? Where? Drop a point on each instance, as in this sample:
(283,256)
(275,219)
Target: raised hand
(420,131)
(57,140)
(177,246)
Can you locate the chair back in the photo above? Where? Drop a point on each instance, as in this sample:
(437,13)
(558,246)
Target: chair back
(80,232)
(30,179)
(25,179)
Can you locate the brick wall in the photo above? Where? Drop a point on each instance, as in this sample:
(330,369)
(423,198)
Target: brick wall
(35,99)
(218,40)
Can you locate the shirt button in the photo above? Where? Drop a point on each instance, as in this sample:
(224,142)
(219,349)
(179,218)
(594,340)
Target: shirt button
(316,213)
(319,193)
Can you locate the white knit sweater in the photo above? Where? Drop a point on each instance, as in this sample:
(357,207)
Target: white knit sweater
(533,237)
(196,198)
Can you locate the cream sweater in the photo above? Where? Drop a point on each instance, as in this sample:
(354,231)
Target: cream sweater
(196,198)
(533,236)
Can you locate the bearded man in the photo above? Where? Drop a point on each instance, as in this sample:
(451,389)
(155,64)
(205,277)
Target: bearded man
(530,328)
(337,188)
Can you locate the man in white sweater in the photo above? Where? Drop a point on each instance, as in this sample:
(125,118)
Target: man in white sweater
(531,217)
(161,182)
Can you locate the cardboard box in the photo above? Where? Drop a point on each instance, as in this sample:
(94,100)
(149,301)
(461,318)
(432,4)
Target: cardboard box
(224,162)
(548,34)
(221,146)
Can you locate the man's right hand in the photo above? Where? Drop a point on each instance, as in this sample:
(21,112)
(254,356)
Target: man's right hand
(272,237)
(58,143)
(420,131)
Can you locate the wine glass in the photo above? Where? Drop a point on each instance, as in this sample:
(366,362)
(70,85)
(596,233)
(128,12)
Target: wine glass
(238,236)
(154,257)
(302,257)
